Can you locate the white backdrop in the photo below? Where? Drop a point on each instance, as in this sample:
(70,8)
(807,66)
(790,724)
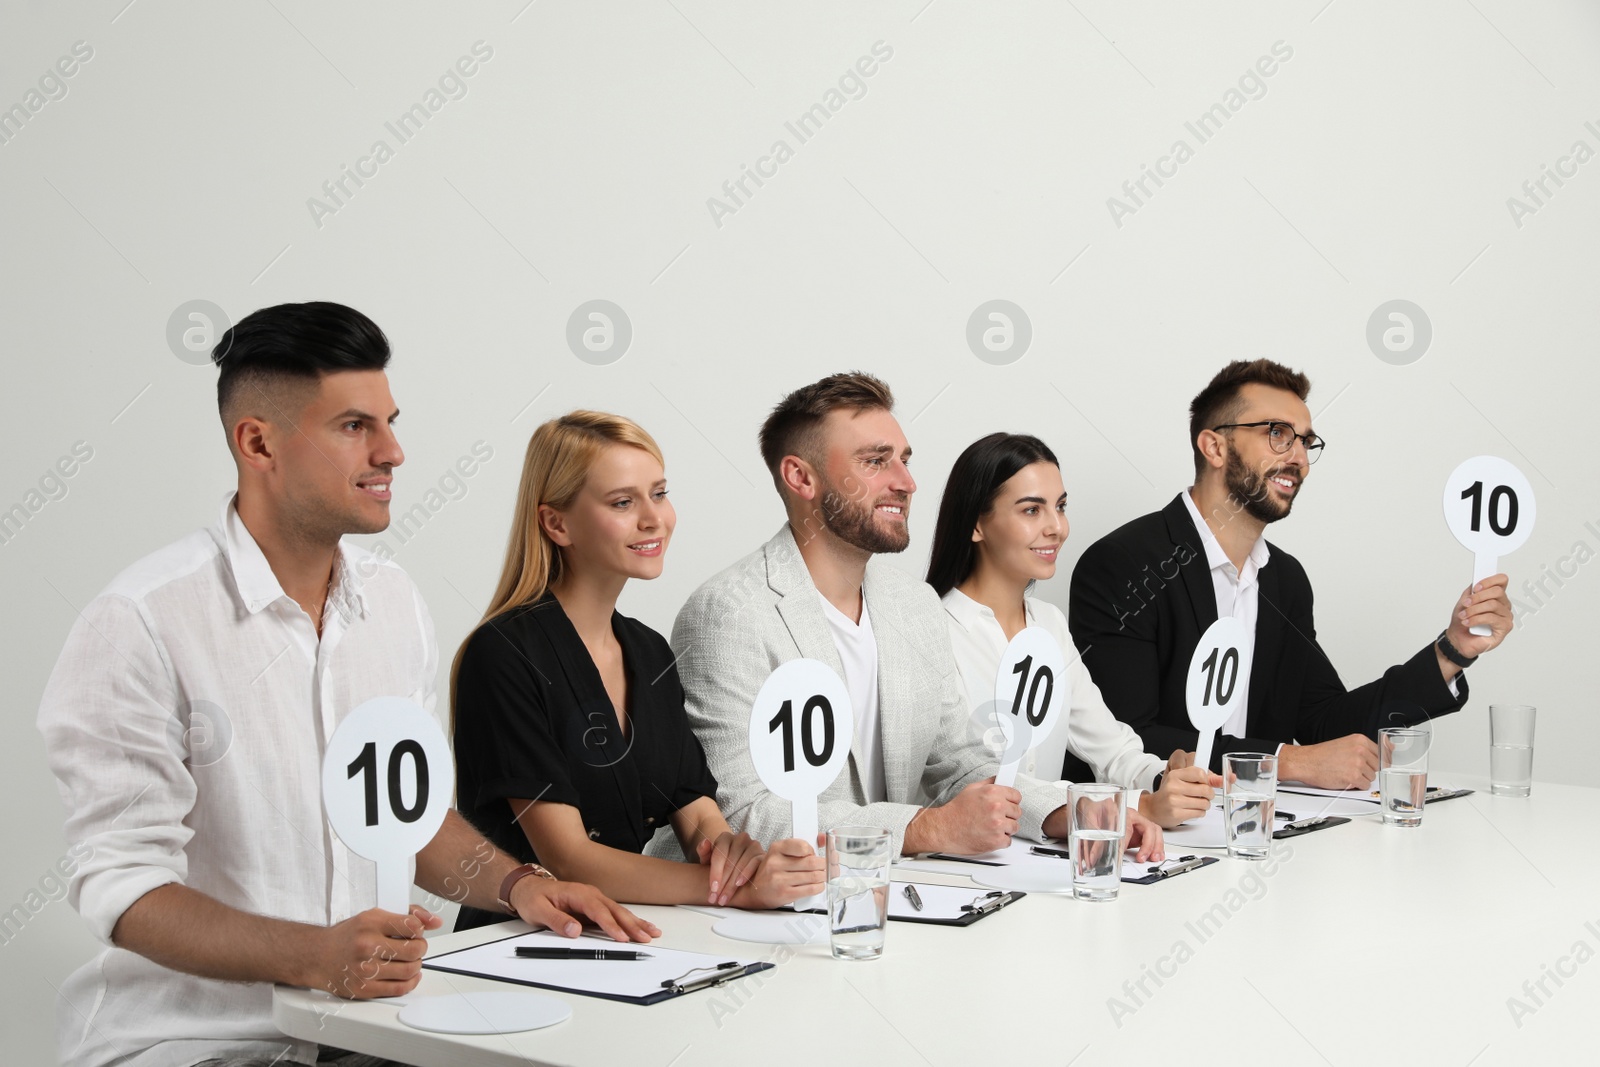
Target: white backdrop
(1335,157)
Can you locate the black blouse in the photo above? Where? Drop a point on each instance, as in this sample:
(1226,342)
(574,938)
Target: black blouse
(533,721)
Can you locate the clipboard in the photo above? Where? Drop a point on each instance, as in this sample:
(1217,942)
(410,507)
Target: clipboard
(1132,872)
(668,974)
(1176,867)
(943,905)
(1322,823)
(1433,794)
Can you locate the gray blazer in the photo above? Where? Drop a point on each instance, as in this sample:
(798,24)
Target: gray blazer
(763,611)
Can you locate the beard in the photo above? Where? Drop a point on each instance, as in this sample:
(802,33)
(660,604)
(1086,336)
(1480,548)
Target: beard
(856,523)
(316,514)
(1253,490)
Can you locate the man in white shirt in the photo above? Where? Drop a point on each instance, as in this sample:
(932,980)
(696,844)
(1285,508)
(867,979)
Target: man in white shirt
(186,718)
(839,460)
(1143,594)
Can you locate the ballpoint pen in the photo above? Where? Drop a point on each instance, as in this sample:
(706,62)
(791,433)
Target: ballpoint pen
(913,896)
(539,952)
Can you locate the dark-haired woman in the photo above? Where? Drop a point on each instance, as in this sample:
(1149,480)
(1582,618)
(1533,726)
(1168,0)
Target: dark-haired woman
(1001,525)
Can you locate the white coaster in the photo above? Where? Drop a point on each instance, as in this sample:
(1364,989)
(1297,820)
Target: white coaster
(497,1012)
(775,928)
(1027,878)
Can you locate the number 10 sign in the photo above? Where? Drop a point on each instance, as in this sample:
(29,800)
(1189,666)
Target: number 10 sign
(1033,684)
(801,727)
(386,783)
(1219,680)
(1490,508)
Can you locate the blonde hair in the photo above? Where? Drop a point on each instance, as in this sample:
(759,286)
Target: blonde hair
(554,469)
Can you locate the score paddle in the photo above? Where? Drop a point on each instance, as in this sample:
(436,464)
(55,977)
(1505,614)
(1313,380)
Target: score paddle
(801,726)
(1032,683)
(1490,509)
(1219,678)
(386,784)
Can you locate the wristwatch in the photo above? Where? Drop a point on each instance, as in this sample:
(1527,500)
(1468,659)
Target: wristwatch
(1452,653)
(516,876)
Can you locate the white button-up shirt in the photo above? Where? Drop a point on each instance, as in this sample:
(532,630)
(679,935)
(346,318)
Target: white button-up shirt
(185,723)
(1091,731)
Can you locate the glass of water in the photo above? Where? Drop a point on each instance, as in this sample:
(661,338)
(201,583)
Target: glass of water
(1097,816)
(858,891)
(1249,796)
(1403,774)
(1511,749)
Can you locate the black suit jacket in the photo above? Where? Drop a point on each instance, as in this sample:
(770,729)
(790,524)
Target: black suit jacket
(1142,596)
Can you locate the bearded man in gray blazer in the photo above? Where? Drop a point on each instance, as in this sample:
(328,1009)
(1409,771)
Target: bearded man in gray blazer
(917,768)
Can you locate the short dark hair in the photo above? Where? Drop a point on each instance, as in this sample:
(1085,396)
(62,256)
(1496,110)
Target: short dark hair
(1219,402)
(791,429)
(969,493)
(290,344)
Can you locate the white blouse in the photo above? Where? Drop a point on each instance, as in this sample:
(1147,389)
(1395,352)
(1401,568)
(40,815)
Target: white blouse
(1091,731)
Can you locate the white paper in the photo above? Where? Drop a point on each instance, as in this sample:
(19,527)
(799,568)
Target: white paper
(625,978)
(1207,831)
(1369,794)
(1307,806)
(1018,851)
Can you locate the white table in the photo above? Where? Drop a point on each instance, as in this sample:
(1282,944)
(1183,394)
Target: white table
(1366,944)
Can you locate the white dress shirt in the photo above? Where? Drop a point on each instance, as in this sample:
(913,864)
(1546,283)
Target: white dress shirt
(1091,731)
(185,724)
(858,653)
(1238,592)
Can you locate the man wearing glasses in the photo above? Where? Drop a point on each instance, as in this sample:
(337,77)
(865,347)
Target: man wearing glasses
(1143,594)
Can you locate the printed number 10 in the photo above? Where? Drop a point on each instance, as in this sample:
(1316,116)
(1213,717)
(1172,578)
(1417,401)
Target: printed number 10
(1505,493)
(366,764)
(785,719)
(1037,706)
(1225,676)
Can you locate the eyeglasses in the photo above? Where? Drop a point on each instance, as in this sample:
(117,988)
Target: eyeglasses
(1281,436)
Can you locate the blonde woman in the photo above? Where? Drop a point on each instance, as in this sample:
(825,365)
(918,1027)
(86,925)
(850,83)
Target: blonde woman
(572,745)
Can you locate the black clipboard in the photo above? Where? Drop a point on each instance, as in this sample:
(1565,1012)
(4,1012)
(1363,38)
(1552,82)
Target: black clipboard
(708,977)
(1323,823)
(1004,900)
(984,904)
(1162,876)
